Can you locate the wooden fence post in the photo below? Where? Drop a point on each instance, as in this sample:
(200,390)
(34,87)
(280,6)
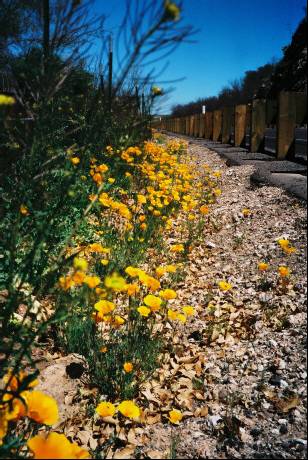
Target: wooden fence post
(196,125)
(227,115)
(217,125)
(258,125)
(208,133)
(240,125)
(201,125)
(286,122)
(191,125)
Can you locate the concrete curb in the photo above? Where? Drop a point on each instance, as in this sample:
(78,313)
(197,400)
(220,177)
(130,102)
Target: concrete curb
(288,175)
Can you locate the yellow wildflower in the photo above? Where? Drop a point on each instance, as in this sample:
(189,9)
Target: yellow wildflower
(246,212)
(175,416)
(181,317)
(177,248)
(118,321)
(115,282)
(80,264)
(144,311)
(104,307)
(24,210)
(224,286)
(132,271)
(188,311)
(168,294)
(6,100)
(153,302)
(75,160)
(41,408)
(128,367)
(284,271)
(204,209)
(92,281)
(172,11)
(141,199)
(129,409)
(263,266)
(56,446)
(106,409)
(172,315)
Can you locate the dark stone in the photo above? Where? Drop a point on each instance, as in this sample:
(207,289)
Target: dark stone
(275,380)
(75,370)
(255,432)
(283,429)
(196,335)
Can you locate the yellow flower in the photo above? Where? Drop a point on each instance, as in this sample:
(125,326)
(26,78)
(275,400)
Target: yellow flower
(132,289)
(41,408)
(204,209)
(172,315)
(181,318)
(115,282)
(128,367)
(172,11)
(75,160)
(16,380)
(283,242)
(284,271)
(103,349)
(129,409)
(132,271)
(263,266)
(141,199)
(56,446)
(175,416)
(188,311)
(24,210)
(66,282)
(92,281)
(78,277)
(6,100)
(217,192)
(111,180)
(153,302)
(246,212)
(289,249)
(168,294)
(104,307)
(160,271)
(3,425)
(118,321)
(80,264)
(224,286)
(144,311)
(102,168)
(171,268)
(106,409)
(96,247)
(177,248)
(104,262)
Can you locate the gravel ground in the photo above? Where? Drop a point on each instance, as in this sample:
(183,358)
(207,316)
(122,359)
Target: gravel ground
(237,370)
(254,340)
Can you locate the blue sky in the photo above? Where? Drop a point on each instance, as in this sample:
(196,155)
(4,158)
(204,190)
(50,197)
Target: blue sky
(233,36)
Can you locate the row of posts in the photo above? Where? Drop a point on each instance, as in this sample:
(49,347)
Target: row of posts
(235,123)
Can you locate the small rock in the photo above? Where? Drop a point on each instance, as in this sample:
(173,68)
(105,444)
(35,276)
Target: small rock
(275,380)
(215,419)
(283,429)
